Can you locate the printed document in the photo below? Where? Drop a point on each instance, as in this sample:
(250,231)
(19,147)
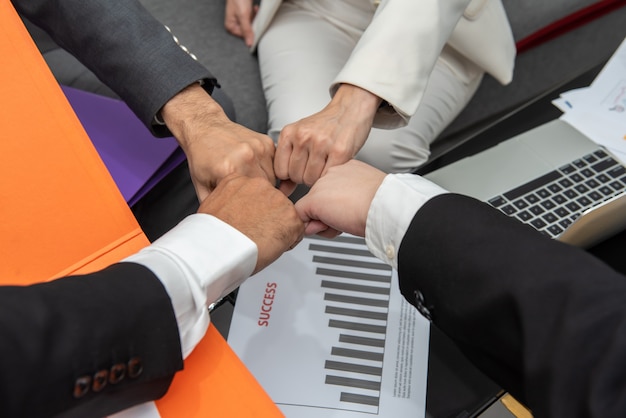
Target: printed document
(327,333)
(599,111)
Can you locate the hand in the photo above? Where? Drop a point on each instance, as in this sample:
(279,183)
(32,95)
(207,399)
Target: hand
(238,19)
(258,210)
(340,200)
(309,147)
(215,146)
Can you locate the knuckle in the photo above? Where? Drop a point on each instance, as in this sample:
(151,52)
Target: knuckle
(245,152)
(224,169)
(296,177)
(341,152)
(302,136)
(281,172)
(269,149)
(325,140)
(280,166)
(286,134)
(310,179)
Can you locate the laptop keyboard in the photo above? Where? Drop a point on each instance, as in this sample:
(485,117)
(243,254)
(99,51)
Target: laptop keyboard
(553,201)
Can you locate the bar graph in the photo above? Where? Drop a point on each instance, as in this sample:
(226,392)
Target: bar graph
(356,296)
(338,341)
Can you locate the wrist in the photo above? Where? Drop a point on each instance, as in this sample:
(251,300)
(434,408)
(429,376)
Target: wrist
(190,106)
(357,100)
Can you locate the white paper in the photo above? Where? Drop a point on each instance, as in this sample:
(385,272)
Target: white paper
(571,99)
(298,330)
(144,410)
(599,111)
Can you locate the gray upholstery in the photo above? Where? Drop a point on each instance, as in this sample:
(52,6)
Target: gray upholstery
(548,64)
(527,16)
(199,26)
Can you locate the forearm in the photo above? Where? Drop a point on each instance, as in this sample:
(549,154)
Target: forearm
(394,205)
(197,269)
(67,330)
(125,46)
(524,308)
(214,145)
(190,108)
(356,103)
(543,319)
(397,52)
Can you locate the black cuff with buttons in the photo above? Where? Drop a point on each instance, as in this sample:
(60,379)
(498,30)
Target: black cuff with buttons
(208,84)
(114,375)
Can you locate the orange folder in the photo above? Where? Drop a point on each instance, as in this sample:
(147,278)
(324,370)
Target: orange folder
(61,213)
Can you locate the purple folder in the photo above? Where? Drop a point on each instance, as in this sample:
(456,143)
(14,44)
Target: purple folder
(136,160)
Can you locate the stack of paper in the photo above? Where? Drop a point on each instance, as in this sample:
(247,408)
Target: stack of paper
(599,111)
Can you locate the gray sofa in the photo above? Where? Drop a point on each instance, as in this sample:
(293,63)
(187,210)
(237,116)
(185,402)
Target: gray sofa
(199,26)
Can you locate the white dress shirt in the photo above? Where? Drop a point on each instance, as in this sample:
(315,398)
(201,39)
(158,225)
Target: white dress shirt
(396,202)
(199,261)
(203,259)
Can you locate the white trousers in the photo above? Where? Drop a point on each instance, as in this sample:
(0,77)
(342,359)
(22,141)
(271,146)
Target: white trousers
(308,43)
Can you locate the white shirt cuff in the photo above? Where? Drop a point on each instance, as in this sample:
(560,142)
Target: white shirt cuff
(199,261)
(396,202)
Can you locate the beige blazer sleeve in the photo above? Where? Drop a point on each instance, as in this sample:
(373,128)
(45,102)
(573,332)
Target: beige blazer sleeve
(398,51)
(263,18)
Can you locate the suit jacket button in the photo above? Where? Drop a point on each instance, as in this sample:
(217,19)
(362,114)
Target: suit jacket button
(421,305)
(100,380)
(117,374)
(81,386)
(135,367)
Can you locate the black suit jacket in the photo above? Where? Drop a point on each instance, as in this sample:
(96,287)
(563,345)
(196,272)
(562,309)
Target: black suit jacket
(545,320)
(124,45)
(132,53)
(86,346)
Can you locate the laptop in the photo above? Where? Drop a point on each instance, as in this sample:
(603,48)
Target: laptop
(553,178)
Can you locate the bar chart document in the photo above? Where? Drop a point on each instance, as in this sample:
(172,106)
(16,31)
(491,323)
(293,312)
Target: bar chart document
(327,333)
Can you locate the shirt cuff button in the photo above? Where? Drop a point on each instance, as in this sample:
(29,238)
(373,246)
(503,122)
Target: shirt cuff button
(390,252)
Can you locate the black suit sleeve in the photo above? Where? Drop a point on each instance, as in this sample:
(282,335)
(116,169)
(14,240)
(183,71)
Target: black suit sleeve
(124,45)
(545,320)
(86,345)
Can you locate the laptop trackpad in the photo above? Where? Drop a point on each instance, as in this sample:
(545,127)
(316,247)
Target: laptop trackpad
(488,174)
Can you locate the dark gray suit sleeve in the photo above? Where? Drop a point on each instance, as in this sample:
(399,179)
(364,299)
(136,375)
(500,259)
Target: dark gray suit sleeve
(545,320)
(124,45)
(86,346)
